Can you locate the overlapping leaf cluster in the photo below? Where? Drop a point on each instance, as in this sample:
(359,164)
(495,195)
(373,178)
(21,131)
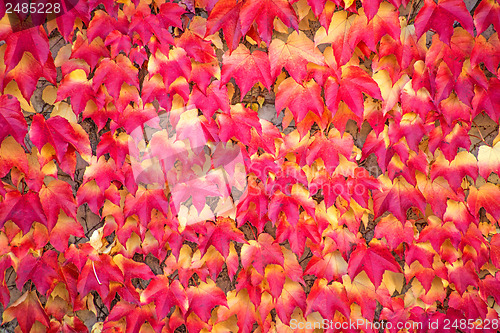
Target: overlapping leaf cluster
(320,231)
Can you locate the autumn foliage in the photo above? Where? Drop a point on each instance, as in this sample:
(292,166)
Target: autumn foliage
(145,187)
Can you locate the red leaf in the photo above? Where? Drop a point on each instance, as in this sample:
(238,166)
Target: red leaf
(113,73)
(91,52)
(488,12)
(203,298)
(441,17)
(353,83)
(76,86)
(330,267)
(116,145)
(394,231)
(27,310)
(97,275)
(292,296)
(486,51)
(62,231)
(299,98)
(135,317)
(289,204)
(143,202)
(170,66)
(12,119)
(22,209)
(488,197)
(294,55)
(59,133)
(118,42)
(449,142)
(239,304)
(215,98)
(165,295)
(263,12)
(42,271)
(463,276)
(55,196)
(34,41)
(226,15)
(329,147)
(464,164)
(246,68)
(396,197)
(220,235)
(260,253)
(327,298)
(170,14)
(196,47)
(27,73)
(374,260)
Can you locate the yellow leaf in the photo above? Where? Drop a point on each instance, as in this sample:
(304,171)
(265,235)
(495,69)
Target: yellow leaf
(488,160)
(13,89)
(302,8)
(64,110)
(393,281)
(338,29)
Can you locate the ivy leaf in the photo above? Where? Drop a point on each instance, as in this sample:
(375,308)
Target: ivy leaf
(226,15)
(116,145)
(143,202)
(34,41)
(135,316)
(464,164)
(261,252)
(113,73)
(62,231)
(203,298)
(292,296)
(22,209)
(219,235)
(263,12)
(54,197)
(433,191)
(373,260)
(338,35)
(486,13)
(353,83)
(90,51)
(27,303)
(247,68)
(327,298)
(239,304)
(42,271)
(462,275)
(394,231)
(486,196)
(449,142)
(441,17)
(396,197)
(59,133)
(165,295)
(330,267)
(294,55)
(299,98)
(76,86)
(215,98)
(11,119)
(171,14)
(488,160)
(289,204)
(97,274)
